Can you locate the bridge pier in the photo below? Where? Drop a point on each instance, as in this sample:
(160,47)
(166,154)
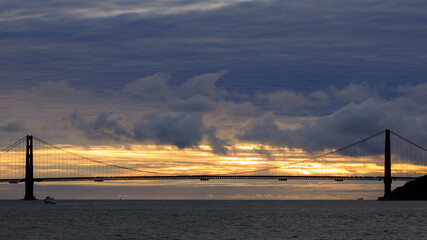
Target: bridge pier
(387,167)
(29,170)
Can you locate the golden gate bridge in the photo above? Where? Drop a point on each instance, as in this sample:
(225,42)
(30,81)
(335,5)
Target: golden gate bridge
(385,156)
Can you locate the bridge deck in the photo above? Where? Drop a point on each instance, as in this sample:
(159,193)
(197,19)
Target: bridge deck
(211,177)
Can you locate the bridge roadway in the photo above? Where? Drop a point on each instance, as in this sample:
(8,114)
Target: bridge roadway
(211,177)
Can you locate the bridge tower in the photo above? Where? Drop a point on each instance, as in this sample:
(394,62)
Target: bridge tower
(29,170)
(387,167)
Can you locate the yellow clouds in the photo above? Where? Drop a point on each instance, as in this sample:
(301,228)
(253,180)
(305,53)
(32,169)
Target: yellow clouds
(149,160)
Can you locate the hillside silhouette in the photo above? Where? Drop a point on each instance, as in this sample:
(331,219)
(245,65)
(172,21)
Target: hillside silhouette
(412,190)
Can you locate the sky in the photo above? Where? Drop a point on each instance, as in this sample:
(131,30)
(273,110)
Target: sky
(212,76)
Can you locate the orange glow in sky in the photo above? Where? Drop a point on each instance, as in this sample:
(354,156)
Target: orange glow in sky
(168,160)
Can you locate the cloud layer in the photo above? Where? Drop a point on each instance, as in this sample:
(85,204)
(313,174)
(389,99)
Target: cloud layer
(215,72)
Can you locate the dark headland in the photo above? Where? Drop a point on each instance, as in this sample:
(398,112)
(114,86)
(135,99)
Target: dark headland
(412,190)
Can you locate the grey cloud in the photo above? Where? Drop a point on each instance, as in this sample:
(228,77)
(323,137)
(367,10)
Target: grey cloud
(202,84)
(319,96)
(237,109)
(264,152)
(58,90)
(218,145)
(267,45)
(346,125)
(192,104)
(270,41)
(102,128)
(285,99)
(106,9)
(189,96)
(181,130)
(355,92)
(151,87)
(264,130)
(12,127)
(418,92)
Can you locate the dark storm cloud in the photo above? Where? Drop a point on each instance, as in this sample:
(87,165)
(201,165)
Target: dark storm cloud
(297,45)
(182,130)
(102,128)
(345,126)
(299,73)
(318,60)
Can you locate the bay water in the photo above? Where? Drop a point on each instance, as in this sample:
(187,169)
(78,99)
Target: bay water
(211,219)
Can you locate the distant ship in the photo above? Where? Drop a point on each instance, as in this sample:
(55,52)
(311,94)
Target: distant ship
(49,200)
(360,199)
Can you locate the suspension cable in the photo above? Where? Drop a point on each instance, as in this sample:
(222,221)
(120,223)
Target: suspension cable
(97,161)
(416,145)
(13,145)
(319,156)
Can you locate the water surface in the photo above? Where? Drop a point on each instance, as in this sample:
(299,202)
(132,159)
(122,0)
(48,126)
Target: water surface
(213,220)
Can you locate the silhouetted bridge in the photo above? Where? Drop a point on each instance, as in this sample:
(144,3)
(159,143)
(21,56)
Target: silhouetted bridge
(369,159)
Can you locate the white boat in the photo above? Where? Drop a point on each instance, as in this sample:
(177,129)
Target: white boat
(49,200)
